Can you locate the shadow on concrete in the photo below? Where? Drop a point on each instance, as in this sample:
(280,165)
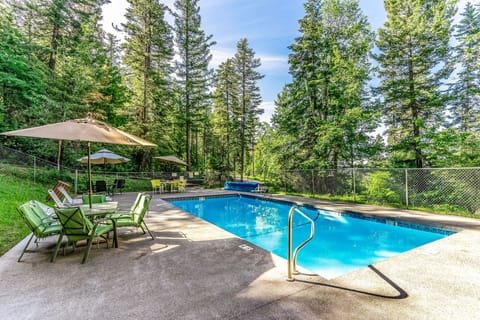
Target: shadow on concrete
(402,294)
(189,271)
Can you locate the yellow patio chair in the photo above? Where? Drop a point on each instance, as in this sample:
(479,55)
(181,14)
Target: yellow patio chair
(182,185)
(175,185)
(156,185)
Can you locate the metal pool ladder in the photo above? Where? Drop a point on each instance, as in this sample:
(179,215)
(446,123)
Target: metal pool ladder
(292,261)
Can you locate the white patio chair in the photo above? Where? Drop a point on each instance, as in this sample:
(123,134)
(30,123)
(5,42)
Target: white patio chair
(58,203)
(68,199)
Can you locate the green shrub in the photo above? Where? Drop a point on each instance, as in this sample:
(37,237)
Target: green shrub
(449,209)
(51,176)
(378,188)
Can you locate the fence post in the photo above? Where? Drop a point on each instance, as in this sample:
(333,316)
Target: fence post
(406,187)
(354,186)
(34,169)
(284,181)
(313,182)
(76,181)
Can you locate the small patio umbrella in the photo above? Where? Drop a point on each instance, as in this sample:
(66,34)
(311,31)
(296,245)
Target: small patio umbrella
(172,159)
(86,129)
(104,157)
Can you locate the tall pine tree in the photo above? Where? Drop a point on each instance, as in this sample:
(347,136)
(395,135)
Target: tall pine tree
(465,92)
(325,108)
(148,54)
(249,99)
(225,102)
(414,62)
(193,73)
(23,79)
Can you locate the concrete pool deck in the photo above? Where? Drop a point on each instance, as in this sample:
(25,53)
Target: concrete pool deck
(194,270)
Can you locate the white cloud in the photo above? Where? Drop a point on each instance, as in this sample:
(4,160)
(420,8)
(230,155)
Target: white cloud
(269,62)
(169,3)
(462,3)
(460,8)
(114,12)
(220,55)
(269,109)
(213,3)
(273,64)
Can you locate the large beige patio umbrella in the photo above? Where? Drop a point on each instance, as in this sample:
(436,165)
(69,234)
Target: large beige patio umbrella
(172,159)
(86,129)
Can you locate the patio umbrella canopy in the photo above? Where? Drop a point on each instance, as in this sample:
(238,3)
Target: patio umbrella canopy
(104,156)
(172,159)
(85,129)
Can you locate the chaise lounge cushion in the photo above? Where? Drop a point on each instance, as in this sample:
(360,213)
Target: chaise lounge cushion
(241,186)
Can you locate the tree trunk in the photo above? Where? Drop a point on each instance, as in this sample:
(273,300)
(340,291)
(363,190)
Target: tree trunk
(414,110)
(53,49)
(188,133)
(244,123)
(253,159)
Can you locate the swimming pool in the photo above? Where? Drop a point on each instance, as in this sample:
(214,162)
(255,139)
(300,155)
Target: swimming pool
(343,242)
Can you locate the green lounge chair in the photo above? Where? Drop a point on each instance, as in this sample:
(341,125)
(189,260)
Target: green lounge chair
(76,226)
(38,220)
(135,217)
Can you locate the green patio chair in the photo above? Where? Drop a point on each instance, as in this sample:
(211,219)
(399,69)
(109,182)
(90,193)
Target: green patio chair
(134,205)
(127,213)
(37,218)
(76,226)
(135,217)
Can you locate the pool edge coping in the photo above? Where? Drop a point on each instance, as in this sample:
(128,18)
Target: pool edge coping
(396,221)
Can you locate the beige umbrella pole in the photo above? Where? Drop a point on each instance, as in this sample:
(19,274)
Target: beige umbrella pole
(59,154)
(89,177)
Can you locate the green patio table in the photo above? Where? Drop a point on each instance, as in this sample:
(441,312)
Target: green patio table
(100,210)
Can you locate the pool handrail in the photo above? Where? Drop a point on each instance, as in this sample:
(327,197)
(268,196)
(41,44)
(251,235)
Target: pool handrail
(292,265)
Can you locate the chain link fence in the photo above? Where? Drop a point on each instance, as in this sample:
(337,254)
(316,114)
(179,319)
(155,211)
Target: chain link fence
(446,189)
(34,169)
(24,165)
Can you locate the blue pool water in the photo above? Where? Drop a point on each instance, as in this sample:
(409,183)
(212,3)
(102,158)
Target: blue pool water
(342,242)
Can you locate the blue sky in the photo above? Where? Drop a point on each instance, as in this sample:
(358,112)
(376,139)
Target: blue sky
(269,25)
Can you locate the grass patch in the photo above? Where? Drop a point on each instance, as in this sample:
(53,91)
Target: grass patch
(362,199)
(14,191)
(17,187)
